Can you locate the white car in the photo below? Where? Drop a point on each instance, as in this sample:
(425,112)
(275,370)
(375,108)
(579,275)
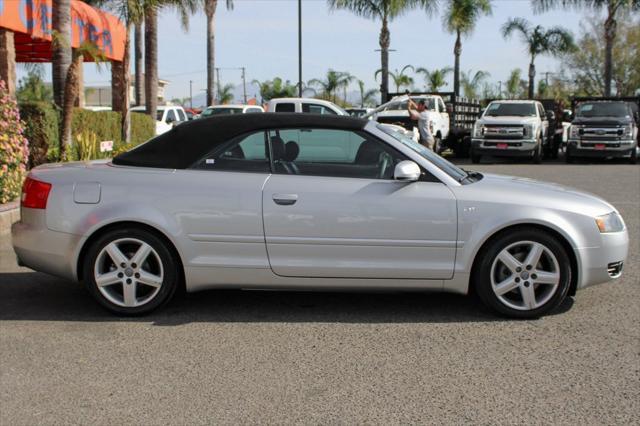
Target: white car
(230,109)
(395,112)
(306,105)
(167,116)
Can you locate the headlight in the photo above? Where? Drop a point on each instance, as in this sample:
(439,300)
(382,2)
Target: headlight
(574,131)
(528,130)
(611,222)
(627,130)
(478,130)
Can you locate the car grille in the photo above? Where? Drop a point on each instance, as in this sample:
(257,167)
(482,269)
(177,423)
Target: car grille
(615,269)
(601,133)
(504,131)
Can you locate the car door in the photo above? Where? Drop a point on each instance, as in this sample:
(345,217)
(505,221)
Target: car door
(332,209)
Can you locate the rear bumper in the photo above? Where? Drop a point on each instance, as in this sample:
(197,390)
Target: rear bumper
(43,250)
(596,261)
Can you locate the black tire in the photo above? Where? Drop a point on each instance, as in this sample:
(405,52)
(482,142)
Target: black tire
(437,145)
(475,158)
(482,272)
(568,158)
(537,154)
(169,265)
(633,159)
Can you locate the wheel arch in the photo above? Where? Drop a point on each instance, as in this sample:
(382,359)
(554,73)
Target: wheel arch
(99,232)
(573,257)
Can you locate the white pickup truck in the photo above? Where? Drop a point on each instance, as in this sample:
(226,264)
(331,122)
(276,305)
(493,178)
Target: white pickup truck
(511,129)
(395,112)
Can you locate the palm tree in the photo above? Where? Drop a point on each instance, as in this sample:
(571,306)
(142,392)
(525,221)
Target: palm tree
(515,86)
(435,79)
(614,9)
(225,93)
(539,41)
(61,47)
(471,84)
(400,79)
(210,7)
(366,96)
(385,11)
(138,40)
(276,88)
(460,19)
(333,81)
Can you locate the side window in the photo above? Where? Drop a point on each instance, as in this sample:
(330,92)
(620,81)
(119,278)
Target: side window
(182,115)
(316,109)
(285,107)
(335,153)
(171,116)
(252,110)
(541,111)
(243,154)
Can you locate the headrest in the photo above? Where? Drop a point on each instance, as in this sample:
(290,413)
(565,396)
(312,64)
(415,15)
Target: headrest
(291,151)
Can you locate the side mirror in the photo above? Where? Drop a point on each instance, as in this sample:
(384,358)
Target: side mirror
(407,171)
(551,116)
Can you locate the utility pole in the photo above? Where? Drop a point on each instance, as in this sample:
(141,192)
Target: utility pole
(244,85)
(191,94)
(299,48)
(500,88)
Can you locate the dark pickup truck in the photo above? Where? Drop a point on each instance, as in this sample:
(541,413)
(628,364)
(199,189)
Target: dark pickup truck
(604,129)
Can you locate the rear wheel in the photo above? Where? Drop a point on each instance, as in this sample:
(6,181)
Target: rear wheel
(524,274)
(130,271)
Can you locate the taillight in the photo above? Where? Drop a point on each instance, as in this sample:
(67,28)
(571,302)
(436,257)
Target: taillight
(35,194)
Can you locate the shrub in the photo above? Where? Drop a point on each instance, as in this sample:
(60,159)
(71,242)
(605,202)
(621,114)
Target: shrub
(106,125)
(143,128)
(14,147)
(41,130)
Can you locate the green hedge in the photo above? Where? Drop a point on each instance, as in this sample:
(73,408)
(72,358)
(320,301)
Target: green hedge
(42,123)
(41,130)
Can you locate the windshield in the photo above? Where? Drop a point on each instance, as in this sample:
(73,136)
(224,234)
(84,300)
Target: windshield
(401,105)
(603,109)
(217,111)
(518,109)
(447,167)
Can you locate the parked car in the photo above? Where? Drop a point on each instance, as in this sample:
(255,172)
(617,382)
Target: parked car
(395,112)
(509,128)
(230,109)
(167,116)
(358,112)
(293,201)
(603,129)
(305,105)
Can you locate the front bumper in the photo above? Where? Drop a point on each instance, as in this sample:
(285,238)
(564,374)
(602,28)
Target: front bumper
(42,249)
(619,149)
(515,147)
(597,263)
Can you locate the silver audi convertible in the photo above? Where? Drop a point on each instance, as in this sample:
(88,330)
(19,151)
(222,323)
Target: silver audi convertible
(300,201)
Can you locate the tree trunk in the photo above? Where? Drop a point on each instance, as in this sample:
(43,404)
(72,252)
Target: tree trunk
(70,95)
(385,42)
(61,49)
(151,60)
(139,85)
(120,88)
(457,50)
(80,102)
(8,60)
(210,11)
(532,77)
(610,25)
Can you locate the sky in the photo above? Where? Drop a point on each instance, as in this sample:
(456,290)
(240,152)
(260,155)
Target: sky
(261,35)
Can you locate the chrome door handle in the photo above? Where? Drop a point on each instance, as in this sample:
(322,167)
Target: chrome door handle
(285,199)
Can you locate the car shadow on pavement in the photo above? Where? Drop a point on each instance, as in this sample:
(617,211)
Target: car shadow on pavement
(32,296)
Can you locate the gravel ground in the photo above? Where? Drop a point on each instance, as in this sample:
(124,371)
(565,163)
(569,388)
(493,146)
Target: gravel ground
(230,357)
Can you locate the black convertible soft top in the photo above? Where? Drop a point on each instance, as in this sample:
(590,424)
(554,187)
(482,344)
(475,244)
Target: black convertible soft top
(187,143)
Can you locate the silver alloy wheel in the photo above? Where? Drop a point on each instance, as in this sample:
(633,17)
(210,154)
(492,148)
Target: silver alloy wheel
(525,275)
(128,272)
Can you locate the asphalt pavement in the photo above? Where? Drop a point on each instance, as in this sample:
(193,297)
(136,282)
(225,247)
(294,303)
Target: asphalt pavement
(234,357)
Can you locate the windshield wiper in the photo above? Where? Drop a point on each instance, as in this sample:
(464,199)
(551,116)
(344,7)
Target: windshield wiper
(470,175)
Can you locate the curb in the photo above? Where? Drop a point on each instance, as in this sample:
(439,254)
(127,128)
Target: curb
(9,213)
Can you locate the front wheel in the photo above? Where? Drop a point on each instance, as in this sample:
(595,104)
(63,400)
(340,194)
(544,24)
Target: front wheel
(523,274)
(537,154)
(130,271)
(475,157)
(633,159)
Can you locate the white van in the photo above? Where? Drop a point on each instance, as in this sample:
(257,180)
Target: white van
(304,105)
(167,116)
